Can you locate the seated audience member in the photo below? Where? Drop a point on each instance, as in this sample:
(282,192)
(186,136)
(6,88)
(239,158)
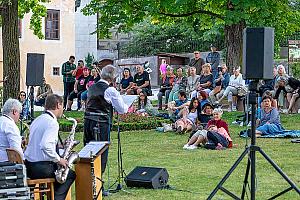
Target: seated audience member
(94,78)
(192,81)
(42,93)
(206,114)
(166,87)
(281,75)
(269,119)
(236,81)
(143,105)
(9,132)
(202,99)
(141,82)
(180,83)
(220,84)
(79,88)
(126,82)
(189,117)
(267,85)
(25,105)
(216,120)
(212,138)
(205,80)
(41,158)
(174,107)
(291,87)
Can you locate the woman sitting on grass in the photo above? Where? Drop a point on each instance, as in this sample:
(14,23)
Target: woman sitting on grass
(142,105)
(189,117)
(212,138)
(269,119)
(216,120)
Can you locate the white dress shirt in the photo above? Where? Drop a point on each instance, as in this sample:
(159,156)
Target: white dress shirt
(113,97)
(43,139)
(9,137)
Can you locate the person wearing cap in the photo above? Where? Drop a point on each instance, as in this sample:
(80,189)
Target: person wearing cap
(79,88)
(43,91)
(166,87)
(213,58)
(197,62)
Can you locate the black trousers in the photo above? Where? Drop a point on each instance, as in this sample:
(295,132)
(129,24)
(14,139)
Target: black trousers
(46,169)
(68,88)
(92,134)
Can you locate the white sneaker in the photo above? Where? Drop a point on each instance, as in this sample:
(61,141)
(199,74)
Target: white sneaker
(186,146)
(242,124)
(217,102)
(249,124)
(235,122)
(229,110)
(192,147)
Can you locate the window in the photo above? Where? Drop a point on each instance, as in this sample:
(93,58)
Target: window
(19,28)
(52,23)
(56,71)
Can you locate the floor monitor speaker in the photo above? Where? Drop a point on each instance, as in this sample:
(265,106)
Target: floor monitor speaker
(35,69)
(147,177)
(258,53)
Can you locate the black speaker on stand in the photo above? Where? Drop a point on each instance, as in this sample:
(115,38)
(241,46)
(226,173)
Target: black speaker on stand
(34,75)
(258,51)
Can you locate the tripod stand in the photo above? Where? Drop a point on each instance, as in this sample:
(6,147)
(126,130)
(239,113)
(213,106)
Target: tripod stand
(252,149)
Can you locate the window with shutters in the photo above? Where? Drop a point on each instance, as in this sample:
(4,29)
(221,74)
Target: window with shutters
(52,25)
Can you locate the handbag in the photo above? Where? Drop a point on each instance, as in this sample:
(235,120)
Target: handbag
(242,91)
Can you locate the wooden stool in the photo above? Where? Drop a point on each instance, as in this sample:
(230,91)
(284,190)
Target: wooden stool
(14,157)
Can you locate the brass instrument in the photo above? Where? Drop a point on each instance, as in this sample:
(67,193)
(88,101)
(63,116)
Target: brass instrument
(61,173)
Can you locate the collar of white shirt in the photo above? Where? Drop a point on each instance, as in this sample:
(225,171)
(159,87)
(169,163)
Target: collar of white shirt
(102,80)
(52,115)
(8,117)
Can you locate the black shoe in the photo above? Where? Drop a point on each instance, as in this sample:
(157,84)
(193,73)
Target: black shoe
(69,109)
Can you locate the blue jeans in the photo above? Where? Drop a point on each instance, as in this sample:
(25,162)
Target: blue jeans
(270,129)
(84,95)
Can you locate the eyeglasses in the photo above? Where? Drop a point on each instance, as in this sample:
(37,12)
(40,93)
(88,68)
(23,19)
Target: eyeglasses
(22,95)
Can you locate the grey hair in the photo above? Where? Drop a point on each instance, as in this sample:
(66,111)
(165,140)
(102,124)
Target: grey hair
(108,73)
(218,110)
(10,105)
(283,68)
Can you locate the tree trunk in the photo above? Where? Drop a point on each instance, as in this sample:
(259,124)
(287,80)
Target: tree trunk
(234,44)
(11,51)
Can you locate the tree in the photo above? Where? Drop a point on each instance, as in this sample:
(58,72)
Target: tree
(233,15)
(11,11)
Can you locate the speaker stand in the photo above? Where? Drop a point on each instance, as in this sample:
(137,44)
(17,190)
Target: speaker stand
(251,150)
(31,97)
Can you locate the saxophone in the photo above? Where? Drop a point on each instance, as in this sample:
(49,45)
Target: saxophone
(61,173)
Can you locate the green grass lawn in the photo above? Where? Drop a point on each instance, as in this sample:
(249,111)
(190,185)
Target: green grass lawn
(199,171)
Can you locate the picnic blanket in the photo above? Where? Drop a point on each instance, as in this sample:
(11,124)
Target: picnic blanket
(283,134)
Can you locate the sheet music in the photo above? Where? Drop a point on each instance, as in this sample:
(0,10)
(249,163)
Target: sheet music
(129,99)
(94,147)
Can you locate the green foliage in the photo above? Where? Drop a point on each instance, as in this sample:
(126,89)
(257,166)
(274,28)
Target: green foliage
(295,69)
(283,15)
(89,59)
(38,11)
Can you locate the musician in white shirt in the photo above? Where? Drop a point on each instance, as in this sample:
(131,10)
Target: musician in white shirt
(9,132)
(41,157)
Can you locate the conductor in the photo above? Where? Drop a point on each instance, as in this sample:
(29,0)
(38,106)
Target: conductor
(102,98)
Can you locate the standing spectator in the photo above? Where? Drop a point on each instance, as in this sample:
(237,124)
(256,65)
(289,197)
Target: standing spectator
(192,81)
(281,74)
(9,132)
(180,83)
(166,87)
(220,84)
(69,80)
(79,88)
(43,91)
(25,105)
(214,59)
(141,82)
(163,67)
(79,69)
(126,81)
(94,78)
(197,62)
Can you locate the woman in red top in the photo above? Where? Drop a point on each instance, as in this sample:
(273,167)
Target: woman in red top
(217,121)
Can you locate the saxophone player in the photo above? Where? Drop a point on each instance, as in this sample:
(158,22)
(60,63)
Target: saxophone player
(41,157)
(99,110)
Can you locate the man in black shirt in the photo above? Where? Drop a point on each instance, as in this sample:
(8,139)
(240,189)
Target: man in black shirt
(141,82)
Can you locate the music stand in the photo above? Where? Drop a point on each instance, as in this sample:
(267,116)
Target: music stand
(252,149)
